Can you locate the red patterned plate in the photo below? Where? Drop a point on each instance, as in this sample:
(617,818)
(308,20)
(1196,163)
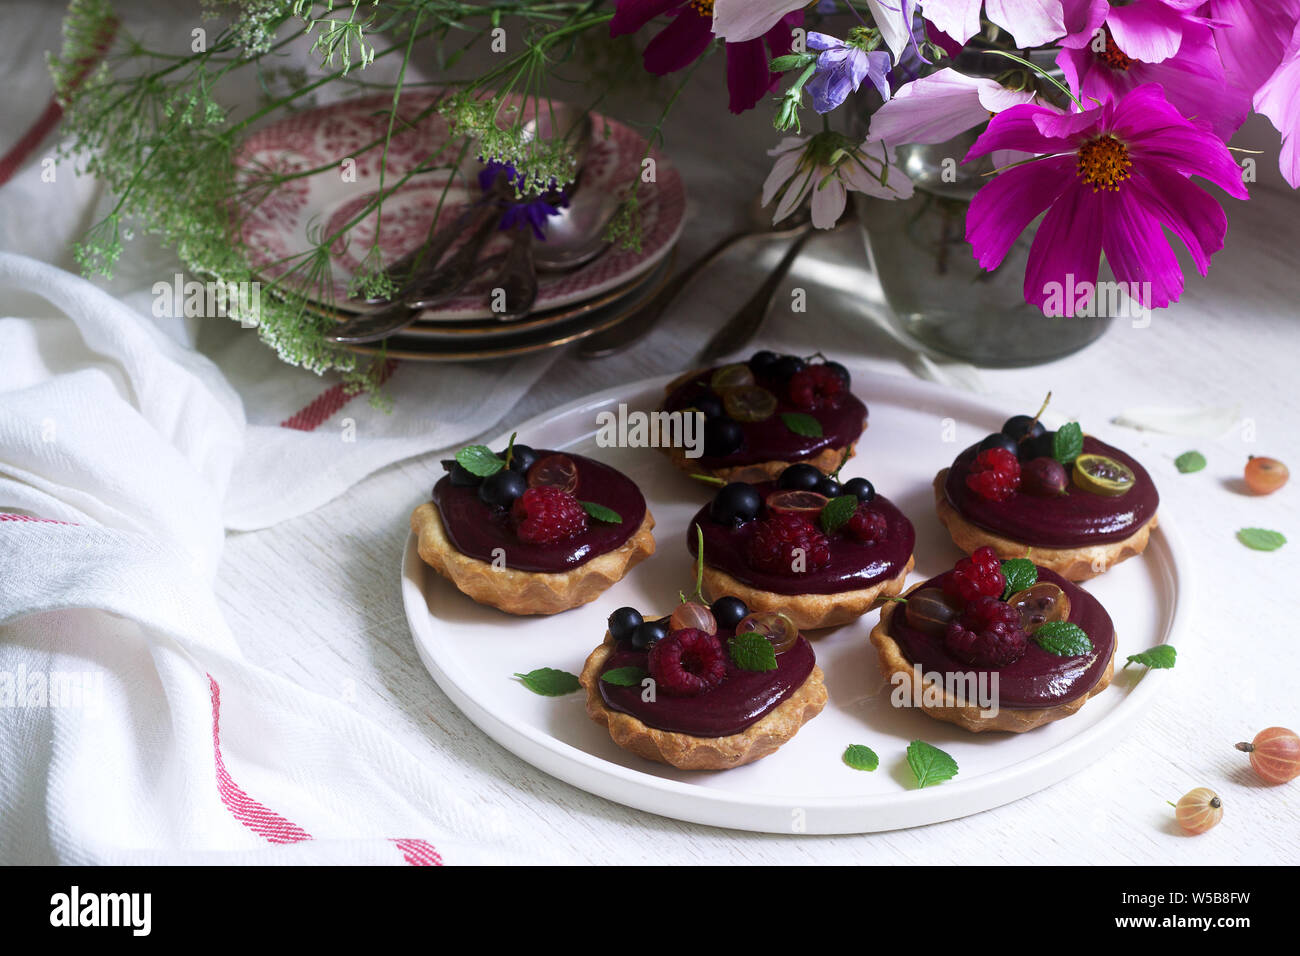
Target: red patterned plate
(333,149)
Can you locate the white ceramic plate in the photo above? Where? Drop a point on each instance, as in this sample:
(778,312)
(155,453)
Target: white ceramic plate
(916,428)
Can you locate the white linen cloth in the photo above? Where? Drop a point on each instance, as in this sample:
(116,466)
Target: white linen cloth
(131,729)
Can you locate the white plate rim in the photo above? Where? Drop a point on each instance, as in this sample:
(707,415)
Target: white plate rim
(835,815)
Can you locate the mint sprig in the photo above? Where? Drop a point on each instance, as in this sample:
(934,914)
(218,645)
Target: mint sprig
(929,764)
(479,460)
(624,676)
(1189,461)
(1261,539)
(549,682)
(1063,638)
(1067,443)
(860,757)
(601,513)
(751,651)
(802,424)
(1160,657)
(1020,573)
(836,512)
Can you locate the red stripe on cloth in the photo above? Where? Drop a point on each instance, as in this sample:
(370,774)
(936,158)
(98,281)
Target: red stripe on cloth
(272,826)
(19,153)
(418,852)
(261,820)
(9,516)
(328,403)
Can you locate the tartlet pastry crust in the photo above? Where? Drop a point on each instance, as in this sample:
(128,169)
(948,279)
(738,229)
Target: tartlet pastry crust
(826,460)
(686,752)
(1073,564)
(808,611)
(527,592)
(968,716)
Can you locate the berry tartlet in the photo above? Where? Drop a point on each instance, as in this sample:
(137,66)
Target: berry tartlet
(769,412)
(1074,504)
(1039,645)
(709,688)
(532,532)
(806,545)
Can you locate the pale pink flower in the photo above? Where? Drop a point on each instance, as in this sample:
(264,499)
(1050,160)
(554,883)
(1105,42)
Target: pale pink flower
(827,167)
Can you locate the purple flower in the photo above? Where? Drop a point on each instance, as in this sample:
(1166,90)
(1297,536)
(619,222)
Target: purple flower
(1111,180)
(841,68)
(531,211)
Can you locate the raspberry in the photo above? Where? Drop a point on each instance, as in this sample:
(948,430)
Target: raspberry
(978,576)
(869,527)
(816,386)
(995,475)
(773,544)
(687,662)
(988,634)
(544,515)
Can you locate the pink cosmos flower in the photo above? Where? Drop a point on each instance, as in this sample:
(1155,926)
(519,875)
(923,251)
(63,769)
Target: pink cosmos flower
(1147,30)
(935,108)
(689,34)
(1193,79)
(1279,100)
(1252,37)
(1111,179)
(1030,22)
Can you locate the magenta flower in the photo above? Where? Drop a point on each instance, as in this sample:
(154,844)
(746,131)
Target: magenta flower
(1193,79)
(689,34)
(1252,37)
(1111,179)
(1279,100)
(1147,30)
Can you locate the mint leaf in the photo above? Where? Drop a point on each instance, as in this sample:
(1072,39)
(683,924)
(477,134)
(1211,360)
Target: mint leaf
(1063,639)
(624,676)
(802,424)
(1020,573)
(1261,539)
(549,682)
(1157,658)
(929,764)
(601,513)
(752,652)
(479,460)
(1189,461)
(1067,443)
(836,512)
(861,758)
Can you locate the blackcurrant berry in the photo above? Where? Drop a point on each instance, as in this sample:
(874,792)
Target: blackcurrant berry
(461,477)
(1039,446)
(522,457)
(735,503)
(800,477)
(1022,426)
(722,436)
(760,363)
(861,489)
(647,633)
(829,487)
(710,405)
(729,611)
(784,368)
(623,622)
(501,490)
(999,440)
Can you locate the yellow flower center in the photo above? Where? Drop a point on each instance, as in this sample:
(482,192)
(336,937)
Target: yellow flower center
(1104,163)
(703,7)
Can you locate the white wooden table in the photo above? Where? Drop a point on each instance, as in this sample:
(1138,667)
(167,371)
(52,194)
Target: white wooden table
(317,598)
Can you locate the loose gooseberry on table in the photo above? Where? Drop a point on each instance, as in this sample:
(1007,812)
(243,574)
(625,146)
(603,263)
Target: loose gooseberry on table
(1265,475)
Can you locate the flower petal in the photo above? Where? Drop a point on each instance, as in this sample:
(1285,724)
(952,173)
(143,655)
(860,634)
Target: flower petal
(1188,210)
(1066,253)
(1018,128)
(1008,203)
(828,203)
(960,19)
(748,77)
(782,170)
(679,44)
(1137,250)
(1030,22)
(1147,30)
(739,20)
(632,15)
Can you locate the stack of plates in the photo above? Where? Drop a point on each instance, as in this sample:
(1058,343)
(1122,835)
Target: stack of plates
(313,173)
